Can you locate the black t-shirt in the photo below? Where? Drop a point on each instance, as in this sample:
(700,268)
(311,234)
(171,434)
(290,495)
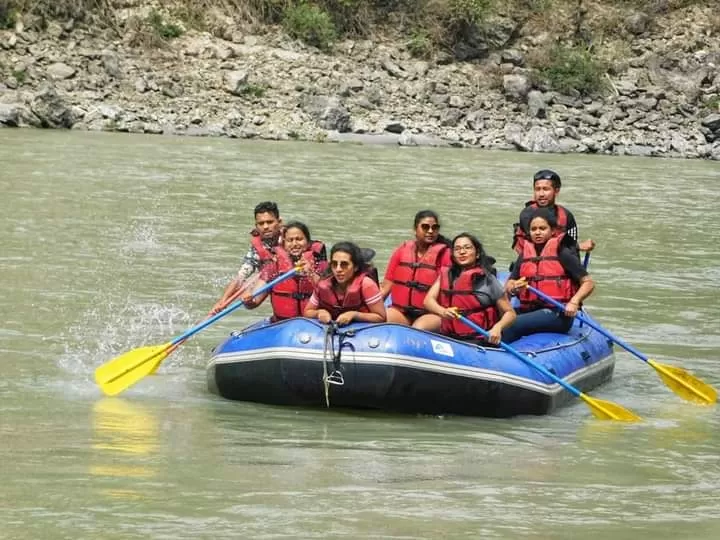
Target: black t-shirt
(527,212)
(568,259)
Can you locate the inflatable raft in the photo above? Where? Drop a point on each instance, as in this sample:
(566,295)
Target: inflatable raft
(301,362)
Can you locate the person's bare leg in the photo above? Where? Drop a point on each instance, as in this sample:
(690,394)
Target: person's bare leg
(396,316)
(429,322)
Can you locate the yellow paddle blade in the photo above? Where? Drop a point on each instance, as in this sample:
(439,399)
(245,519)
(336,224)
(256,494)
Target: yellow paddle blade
(685,384)
(607,410)
(122,372)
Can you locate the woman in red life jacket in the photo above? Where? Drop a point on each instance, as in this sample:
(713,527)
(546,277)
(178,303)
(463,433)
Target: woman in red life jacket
(290,297)
(349,294)
(414,267)
(470,286)
(549,263)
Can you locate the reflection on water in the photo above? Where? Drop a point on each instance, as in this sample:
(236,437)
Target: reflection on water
(125,435)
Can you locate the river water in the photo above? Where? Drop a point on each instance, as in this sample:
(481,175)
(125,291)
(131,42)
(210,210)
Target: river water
(112,241)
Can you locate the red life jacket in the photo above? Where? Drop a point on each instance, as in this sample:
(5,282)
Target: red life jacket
(352,301)
(290,297)
(461,294)
(545,273)
(413,278)
(521,238)
(265,254)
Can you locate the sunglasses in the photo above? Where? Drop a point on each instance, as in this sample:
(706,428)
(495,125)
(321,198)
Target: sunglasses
(340,264)
(427,227)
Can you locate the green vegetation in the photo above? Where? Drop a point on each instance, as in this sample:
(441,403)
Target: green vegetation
(713,104)
(164,30)
(8,14)
(310,23)
(20,75)
(572,68)
(254,90)
(584,38)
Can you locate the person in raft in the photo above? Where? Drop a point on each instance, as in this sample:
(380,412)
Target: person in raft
(289,297)
(264,238)
(349,294)
(546,188)
(470,287)
(549,263)
(414,267)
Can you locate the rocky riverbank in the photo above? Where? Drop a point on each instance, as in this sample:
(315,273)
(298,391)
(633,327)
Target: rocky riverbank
(662,98)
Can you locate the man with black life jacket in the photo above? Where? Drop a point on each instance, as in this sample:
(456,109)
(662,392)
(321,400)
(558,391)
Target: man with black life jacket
(470,287)
(549,263)
(289,297)
(263,239)
(349,294)
(546,188)
(413,268)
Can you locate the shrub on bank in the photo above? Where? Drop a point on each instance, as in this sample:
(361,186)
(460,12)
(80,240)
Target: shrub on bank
(571,68)
(311,24)
(8,14)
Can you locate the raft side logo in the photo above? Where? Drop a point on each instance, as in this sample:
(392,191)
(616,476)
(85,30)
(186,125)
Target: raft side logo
(443,348)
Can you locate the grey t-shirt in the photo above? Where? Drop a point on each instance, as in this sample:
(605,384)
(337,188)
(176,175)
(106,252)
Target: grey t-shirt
(488,290)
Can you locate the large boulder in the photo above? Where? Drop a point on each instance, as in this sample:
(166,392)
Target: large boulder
(328,113)
(51,109)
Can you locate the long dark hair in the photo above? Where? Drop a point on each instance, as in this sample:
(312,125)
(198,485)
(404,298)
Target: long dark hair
(355,253)
(481,258)
(422,214)
(544,213)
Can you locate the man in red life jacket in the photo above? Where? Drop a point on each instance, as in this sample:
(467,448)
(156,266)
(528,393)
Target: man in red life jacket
(264,238)
(546,188)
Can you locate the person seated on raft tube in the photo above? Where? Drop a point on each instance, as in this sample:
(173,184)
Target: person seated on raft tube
(349,294)
(414,267)
(470,287)
(549,263)
(289,297)
(264,238)
(546,188)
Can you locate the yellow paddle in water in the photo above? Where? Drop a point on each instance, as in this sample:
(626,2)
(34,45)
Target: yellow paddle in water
(122,372)
(604,410)
(680,381)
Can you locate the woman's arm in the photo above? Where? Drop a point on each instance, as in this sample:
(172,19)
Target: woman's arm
(431,302)
(312,311)
(587,286)
(374,302)
(508,317)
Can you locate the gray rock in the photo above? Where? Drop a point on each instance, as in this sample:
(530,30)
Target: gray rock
(475,120)
(516,86)
(111,112)
(60,71)
(407,138)
(235,82)
(111,63)
(140,85)
(451,117)
(637,23)
(393,69)
(626,88)
(512,56)
(355,85)
(537,108)
(394,127)
(647,104)
(52,110)
(9,115)
(712,122)
(456,102)
(537,139)
(328,113)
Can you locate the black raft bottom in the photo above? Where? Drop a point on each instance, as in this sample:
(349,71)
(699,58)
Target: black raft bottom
(383,387)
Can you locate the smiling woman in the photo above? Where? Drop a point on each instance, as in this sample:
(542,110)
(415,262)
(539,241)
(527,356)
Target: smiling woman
(349,294)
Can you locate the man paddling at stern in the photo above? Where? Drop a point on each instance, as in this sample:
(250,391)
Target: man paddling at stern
(546,188)
(264,238)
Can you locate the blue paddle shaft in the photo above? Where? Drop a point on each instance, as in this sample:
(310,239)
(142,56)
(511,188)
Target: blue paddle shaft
(629,348)
(586,260)
(517,354)
(232,307)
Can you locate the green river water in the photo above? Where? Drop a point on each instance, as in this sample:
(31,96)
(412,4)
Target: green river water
(112,241)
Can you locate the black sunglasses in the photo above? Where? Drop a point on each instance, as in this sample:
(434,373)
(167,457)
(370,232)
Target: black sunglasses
(428,227)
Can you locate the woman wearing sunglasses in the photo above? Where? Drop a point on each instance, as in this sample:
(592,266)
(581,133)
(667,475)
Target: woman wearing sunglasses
(413,268)
(469,287)
(349,294)
(290,297)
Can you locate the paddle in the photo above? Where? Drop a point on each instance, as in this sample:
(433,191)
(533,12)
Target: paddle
(604,410)
(122,372)
(680,381)
(586,260)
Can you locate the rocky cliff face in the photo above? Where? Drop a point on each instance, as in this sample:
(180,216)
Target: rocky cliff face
(662,96)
